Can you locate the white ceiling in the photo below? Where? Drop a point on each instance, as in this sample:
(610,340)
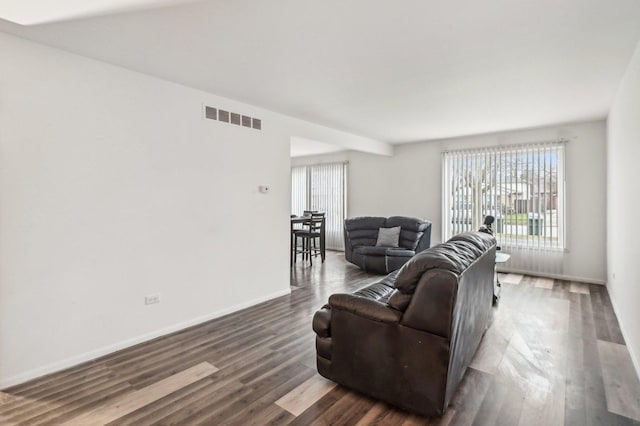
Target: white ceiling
(396,71)
(33,12)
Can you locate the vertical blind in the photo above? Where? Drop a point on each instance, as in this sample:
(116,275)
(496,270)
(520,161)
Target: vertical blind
(322,187)
(522,186)
(299,199)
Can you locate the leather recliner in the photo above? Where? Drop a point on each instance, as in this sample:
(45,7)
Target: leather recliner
(361,235)
(409,338)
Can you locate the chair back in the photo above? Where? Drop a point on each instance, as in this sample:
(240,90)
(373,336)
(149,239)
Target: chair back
(314,222)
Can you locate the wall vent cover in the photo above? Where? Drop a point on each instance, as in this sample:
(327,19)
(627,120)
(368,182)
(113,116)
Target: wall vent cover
(224,116)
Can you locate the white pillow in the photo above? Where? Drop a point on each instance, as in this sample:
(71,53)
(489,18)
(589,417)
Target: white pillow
(388,237)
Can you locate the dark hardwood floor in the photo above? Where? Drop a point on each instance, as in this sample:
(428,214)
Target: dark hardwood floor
(553,355)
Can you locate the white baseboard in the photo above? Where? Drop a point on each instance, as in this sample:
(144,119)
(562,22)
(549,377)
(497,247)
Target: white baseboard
(554,276)
(634,357)
(105,350)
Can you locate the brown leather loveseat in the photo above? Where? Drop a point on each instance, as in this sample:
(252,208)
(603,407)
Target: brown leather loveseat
(360,242)
(409,338)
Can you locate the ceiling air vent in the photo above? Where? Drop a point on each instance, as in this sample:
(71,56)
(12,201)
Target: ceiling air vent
(232,118)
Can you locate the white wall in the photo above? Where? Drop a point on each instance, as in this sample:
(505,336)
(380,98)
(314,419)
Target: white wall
(410,183)
(623,206)
(113,187)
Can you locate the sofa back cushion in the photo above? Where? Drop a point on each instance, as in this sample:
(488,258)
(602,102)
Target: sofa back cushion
(412,230)
(363,231)
(455,256)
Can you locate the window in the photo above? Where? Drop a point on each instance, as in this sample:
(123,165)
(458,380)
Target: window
(322,187)
(521,186)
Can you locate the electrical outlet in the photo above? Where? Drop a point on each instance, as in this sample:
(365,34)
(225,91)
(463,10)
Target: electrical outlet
(152,299)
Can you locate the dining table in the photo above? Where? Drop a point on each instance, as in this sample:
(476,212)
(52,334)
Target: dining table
(307,220)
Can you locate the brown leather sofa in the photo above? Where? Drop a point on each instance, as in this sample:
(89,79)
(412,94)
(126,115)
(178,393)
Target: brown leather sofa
(409,338)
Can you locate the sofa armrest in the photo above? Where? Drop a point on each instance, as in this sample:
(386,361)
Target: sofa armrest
(322,322)
(425,241)
(348,249)
(364,307)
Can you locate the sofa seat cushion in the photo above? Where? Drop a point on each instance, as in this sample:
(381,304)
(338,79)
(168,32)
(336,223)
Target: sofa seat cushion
(370,250)
(400,253)
(382,251)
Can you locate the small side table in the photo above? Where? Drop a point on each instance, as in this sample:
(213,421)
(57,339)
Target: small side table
(497,287)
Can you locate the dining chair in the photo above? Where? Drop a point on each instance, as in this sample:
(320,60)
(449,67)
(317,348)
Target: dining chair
(310,237)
